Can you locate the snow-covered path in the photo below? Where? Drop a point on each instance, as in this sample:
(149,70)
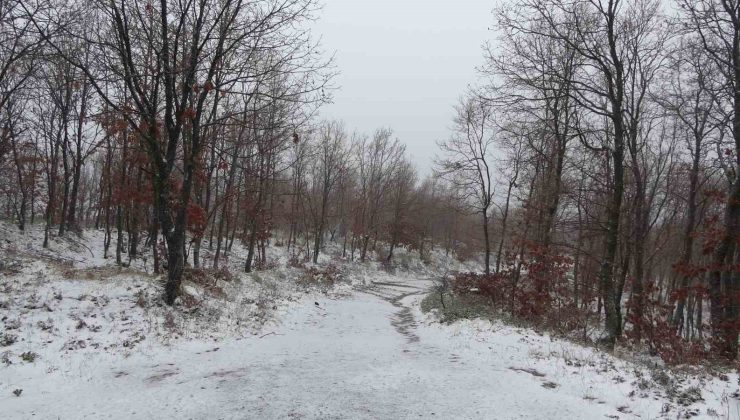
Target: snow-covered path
(367,356)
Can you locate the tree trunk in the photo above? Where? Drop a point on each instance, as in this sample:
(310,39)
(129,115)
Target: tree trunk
(487,242)
(688,238)
(613,320)
(504,220)
(65,179)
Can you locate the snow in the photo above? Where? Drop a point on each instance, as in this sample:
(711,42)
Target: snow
(106,349)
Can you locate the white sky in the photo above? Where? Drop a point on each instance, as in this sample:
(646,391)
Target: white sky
(403,64)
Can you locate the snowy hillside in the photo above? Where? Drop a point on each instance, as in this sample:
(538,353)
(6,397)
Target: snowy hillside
(84,339)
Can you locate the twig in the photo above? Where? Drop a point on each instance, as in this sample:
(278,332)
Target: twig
(78,243)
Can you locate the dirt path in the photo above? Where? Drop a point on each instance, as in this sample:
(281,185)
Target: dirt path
(365,357)
(394,293)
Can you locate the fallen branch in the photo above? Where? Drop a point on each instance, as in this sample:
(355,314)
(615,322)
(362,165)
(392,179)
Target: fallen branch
(270,333)
(532,372)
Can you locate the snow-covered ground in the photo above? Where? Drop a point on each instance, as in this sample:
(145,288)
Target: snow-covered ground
(94,343)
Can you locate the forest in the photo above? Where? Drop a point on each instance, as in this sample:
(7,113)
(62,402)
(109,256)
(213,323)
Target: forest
(592,171)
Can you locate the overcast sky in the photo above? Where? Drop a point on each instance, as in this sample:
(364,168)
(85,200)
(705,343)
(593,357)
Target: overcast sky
(403,64)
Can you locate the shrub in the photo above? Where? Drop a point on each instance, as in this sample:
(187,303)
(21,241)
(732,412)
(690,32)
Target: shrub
(140,299)
(208,279)
(328,276)
(263,265)
(660,336)
(296,261)
(47,325)
(7,339)
(452,307)
(29,356)
(169,321)
(223,273)
(533,288)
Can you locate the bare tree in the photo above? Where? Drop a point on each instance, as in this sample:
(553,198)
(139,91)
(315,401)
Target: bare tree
(400,205)
(466,161)
(717,25)
(329,165)
(156,66)
(377,160)
(618,47)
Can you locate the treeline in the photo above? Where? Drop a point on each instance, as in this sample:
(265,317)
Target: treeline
(182,128)
(598,171)
(615,181)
